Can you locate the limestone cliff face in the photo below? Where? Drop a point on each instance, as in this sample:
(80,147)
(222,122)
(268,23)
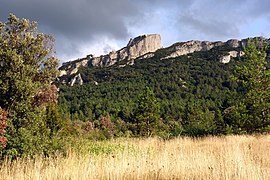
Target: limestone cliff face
(135,48)
(184,48)
(76,80)
(232,54)
(143,44)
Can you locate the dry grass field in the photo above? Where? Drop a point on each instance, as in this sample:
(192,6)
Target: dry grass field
(228,157)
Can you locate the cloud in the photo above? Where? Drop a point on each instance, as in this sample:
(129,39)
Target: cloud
(75,18)
(82,27)
(209,29)
(214,20)
(74,23)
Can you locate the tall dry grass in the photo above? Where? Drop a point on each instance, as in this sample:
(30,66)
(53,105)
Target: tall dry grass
(229,157)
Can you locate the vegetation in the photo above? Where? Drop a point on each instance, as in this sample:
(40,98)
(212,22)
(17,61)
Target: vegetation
(252,112)
(26,71)
(146,115)
(193,95)
(196,93)
(227,157)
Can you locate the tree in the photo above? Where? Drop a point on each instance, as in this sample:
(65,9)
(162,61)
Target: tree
(53,119)
(147,113)
(27,67)
(252,113)
(198,120)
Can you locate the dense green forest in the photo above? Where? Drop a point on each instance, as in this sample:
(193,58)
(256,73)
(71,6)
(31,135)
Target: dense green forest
(193,92)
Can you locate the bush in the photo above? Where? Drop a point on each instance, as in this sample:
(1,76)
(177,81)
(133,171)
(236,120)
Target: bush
(27,68)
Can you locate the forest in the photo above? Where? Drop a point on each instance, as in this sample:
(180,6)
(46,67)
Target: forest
(195,95)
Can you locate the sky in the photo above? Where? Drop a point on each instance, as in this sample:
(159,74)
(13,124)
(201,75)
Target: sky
(82,27)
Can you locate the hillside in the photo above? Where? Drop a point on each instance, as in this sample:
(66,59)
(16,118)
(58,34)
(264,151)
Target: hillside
(191,80)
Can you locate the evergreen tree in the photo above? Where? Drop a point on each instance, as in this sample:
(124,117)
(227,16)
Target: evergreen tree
(147,113)
(252,113)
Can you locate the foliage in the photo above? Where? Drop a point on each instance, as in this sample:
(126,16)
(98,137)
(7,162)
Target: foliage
(146,114)
(196,93)
(198,120)
(176,82)
(27,67)
(107,126)
(252,113)
(53,118)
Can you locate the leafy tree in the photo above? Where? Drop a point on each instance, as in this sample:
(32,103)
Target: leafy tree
(27,67)
(147,113)
(252,113)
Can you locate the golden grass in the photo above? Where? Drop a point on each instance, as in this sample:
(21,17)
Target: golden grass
(228,157)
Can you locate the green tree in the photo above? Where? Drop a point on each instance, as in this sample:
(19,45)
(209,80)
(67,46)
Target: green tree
(147,115)
(198,121)
(27,67)
(53,118)
(252,113)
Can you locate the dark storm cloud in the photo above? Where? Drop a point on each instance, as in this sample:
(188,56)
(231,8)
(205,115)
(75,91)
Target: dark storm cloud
(73,22)
(214,28)
(80,25)
(77,18)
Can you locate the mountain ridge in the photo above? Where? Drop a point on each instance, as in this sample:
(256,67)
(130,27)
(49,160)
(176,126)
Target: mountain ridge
(146,46)
(196,91)
(135,48)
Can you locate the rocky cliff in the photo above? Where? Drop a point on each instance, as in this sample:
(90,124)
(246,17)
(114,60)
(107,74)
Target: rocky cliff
(135,48)
(188,47)
(184,48)
(145,46)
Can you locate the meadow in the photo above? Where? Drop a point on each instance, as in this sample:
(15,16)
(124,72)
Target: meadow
(225,157)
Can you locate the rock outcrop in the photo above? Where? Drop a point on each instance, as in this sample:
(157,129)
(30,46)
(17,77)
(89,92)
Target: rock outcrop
(135,48)
(232,54)
(188,47)
(184,48)
(76,80)
(142,45)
